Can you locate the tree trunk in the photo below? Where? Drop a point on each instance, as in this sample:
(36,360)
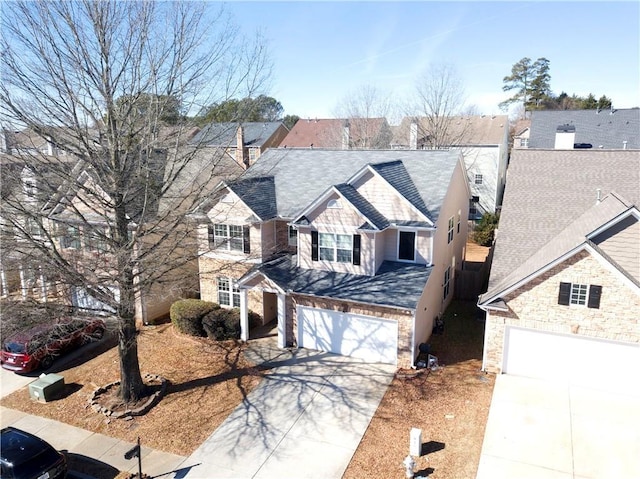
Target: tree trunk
(131,386)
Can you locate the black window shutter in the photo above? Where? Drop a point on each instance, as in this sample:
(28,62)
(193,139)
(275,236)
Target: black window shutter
(314,246)
(246,240)
(356,250)
(564,294)
(212,236)
(594,296)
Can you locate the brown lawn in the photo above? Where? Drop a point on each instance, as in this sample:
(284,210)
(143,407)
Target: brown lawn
(450,405)
(207,381)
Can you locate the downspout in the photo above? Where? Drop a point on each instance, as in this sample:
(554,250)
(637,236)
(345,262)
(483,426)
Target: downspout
(484,345)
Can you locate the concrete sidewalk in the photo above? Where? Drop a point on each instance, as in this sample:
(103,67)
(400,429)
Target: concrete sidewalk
(304,420)
(545,430)
(86,443)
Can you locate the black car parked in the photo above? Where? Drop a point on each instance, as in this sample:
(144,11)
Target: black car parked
(25,456)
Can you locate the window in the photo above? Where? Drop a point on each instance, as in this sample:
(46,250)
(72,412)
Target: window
(32,228)
(70,238)
(96,239)
(450,231)
(478,179)
(30,188)
(579,295)
(524,142)
(459,213)
(229,237)
(447,279)
(228,294)
(293,236)
(407,245)
(335,247)
(334,204)
(254,153)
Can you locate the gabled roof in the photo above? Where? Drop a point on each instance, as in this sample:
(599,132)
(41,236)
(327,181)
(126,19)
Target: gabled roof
(546,191)
(575,237)
(300,176)
(606,129)
(472,130)
(406,280)
(259,194)
(365,208)
(224,134)
(328,133)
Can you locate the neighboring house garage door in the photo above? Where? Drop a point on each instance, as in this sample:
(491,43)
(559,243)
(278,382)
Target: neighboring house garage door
(365,337)
(580,361)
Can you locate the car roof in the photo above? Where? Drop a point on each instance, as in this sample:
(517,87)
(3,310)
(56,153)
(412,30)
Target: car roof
(17,446)
(27,334)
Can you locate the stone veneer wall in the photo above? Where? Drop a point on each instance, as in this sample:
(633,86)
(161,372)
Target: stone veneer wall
(535,305)
(405,320)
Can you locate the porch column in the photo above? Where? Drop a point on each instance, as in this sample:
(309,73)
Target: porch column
(23,283)
(244,316)
(282,320)
(5,285)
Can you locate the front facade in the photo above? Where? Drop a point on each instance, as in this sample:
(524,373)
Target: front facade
(350,252)
(564,304)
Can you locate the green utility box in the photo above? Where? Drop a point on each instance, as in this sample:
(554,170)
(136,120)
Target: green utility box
(46,387)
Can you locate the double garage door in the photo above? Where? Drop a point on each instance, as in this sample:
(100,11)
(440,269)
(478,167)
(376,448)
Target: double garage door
(365,337)
(594,363)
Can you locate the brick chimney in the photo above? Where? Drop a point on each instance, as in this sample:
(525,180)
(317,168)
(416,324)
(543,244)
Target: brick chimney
(241,158)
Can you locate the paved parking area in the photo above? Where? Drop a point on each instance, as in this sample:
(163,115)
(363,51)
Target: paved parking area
(544,430)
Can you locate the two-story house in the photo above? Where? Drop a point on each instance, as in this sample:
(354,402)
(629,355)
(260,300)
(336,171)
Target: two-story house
(563,300)
(483,141)
(353,252)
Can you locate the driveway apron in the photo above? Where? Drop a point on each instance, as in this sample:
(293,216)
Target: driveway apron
(304,420)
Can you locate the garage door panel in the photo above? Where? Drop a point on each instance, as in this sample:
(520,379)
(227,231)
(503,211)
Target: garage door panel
(580,361)
(369,338)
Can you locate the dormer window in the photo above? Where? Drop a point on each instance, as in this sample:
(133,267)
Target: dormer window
(335,204)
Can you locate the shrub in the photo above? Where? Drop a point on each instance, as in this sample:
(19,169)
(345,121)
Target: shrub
(254,319)
(483,233)
(222,324)
(187,314)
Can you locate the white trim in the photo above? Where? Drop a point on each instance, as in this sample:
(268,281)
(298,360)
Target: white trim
(242,283)
(632,211)
(244,257)
(282,319)
(611,268)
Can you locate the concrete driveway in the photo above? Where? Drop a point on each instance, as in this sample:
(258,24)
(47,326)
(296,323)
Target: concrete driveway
(305,420)
(543,430)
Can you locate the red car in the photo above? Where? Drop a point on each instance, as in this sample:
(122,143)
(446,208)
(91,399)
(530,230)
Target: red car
(39,346)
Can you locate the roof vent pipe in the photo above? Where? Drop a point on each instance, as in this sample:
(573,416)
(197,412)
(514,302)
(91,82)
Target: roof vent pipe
(624,144)
(598,198)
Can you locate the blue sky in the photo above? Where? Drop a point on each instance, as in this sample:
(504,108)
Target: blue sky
(324,50)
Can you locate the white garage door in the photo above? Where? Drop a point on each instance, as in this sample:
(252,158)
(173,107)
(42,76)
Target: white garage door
(365,337)
(580,361)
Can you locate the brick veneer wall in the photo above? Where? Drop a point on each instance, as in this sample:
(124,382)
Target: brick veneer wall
(405,320)
(535,305)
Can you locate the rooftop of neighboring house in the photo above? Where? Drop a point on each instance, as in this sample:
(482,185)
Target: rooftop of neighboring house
(547,191)
(472,130)
(284,181)
(603,129)
(332,132)
(521,126)
(225,134)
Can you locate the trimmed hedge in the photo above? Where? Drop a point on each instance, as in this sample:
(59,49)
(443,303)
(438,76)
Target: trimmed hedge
(186,315)
(204,318)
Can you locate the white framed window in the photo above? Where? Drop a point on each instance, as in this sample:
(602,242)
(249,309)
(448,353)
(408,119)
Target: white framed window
(446,283)
(335,247)
(254,153)
(524,142)
(579,294)
(335,204)
(228,293)
(477,179)
(293,236)
(450,230)
(70,238)
(229,237)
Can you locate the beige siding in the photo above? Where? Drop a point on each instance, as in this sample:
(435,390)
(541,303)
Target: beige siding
(535,305)
(386,199)
(345,218)
(622,244)
(367,247)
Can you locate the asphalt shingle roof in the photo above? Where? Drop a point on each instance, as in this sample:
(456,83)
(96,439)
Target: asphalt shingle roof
(302,175)
(224,134)
(547,190)
(363,206)
(398,177)
(398,285)
(600,128)
(259,194)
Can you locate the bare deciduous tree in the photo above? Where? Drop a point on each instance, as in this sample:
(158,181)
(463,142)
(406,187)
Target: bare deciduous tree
(99,210)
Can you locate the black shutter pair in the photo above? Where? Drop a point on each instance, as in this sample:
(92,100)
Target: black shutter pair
(246,243)
(356,248)
(595,292)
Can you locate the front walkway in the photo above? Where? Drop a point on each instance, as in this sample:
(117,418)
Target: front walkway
(305,419)
(543,430)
